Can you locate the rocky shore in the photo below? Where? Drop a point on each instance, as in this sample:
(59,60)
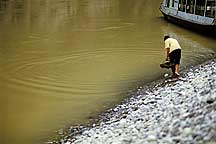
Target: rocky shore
(169,111)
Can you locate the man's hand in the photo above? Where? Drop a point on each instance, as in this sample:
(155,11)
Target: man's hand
(167,59)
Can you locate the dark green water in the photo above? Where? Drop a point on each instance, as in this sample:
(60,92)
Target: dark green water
(62,61)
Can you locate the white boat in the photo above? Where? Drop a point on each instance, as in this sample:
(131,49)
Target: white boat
(194,14)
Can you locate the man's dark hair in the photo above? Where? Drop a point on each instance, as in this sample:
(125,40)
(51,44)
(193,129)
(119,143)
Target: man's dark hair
(166,37)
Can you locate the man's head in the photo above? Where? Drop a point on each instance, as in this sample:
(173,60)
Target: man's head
(166,37)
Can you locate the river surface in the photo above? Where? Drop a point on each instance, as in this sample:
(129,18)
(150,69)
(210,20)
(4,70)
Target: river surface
(63,61)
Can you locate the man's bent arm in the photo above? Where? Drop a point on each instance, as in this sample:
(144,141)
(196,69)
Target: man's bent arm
(167,53)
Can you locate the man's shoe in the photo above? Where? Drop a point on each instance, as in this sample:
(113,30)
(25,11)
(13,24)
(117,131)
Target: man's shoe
(176,75)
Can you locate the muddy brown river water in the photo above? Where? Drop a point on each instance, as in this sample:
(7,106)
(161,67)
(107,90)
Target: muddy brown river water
(62,61)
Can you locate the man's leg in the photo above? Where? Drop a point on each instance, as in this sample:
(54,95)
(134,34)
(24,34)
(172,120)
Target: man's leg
(173,69)
(177,69)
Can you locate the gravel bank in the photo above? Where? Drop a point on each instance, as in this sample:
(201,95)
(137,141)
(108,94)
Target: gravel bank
(182,111)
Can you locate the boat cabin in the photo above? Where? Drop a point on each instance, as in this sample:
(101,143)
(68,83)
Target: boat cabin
(199,14)
(205,8)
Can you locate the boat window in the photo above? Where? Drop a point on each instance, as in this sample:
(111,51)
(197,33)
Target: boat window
(173,3)
(200,7)
(211,8)
(182,4)
(190,6)
(167,3)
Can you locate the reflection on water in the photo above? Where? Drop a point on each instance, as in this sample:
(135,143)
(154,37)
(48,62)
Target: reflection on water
(62,61)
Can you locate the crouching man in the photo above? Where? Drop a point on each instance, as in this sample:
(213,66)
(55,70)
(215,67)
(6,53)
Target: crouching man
(173,54)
